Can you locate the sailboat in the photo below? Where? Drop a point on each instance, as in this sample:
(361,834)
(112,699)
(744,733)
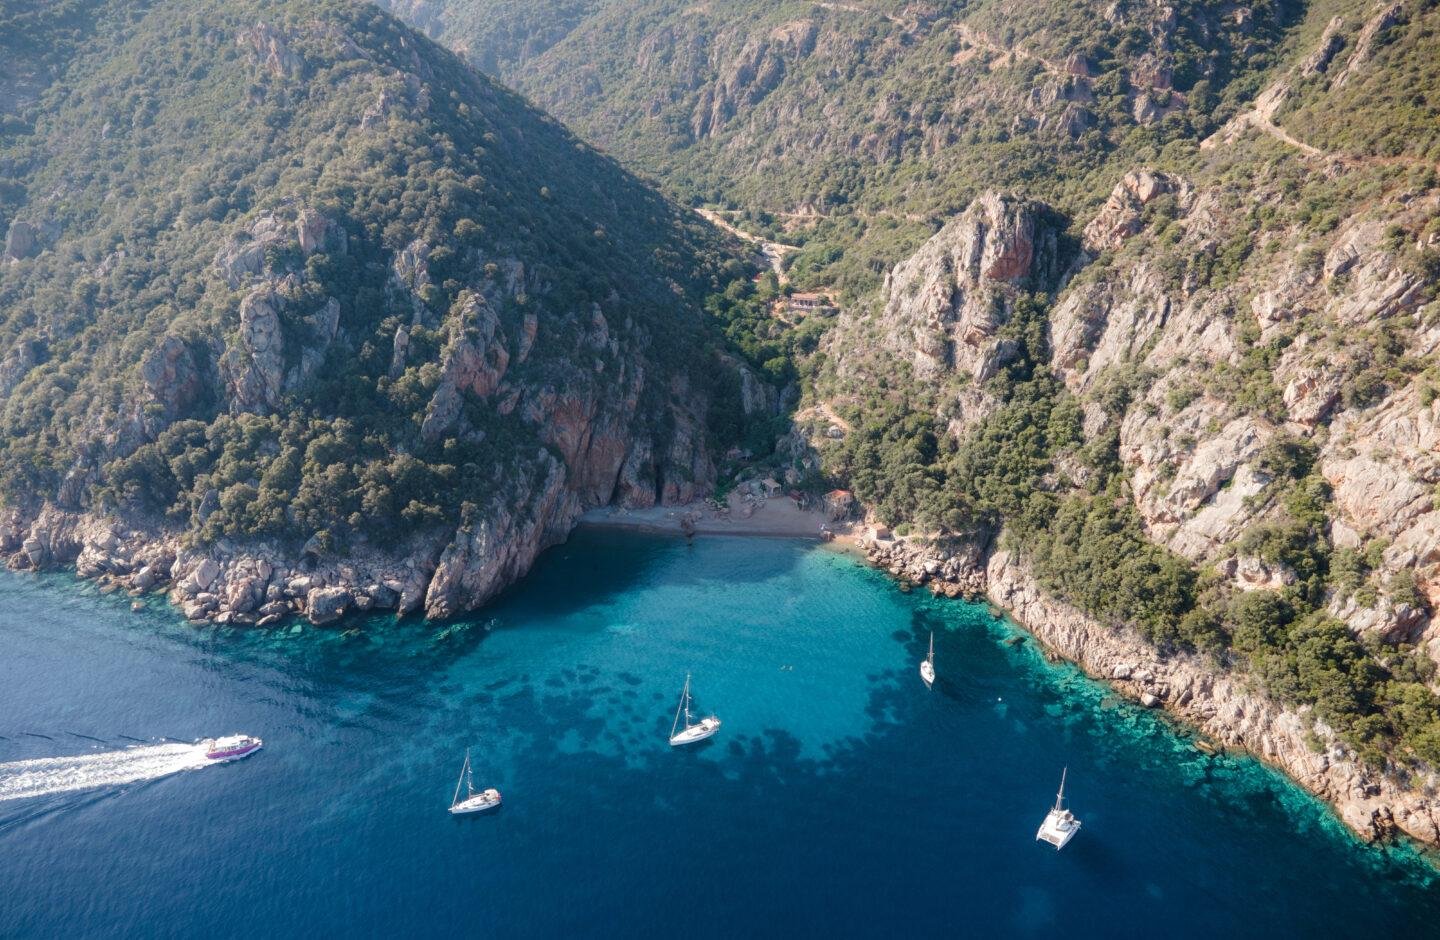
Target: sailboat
(1060,824)
(693,731)
(474,802)
(927,666)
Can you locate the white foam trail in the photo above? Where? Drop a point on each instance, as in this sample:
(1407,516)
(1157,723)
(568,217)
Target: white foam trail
(45,776)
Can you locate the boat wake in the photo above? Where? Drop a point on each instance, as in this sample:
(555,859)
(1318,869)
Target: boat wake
(46,776)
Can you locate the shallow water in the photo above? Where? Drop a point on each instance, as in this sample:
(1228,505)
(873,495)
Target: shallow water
(840,797)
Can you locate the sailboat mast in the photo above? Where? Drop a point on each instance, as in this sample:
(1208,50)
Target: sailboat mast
(463,767)
(1060,797)
(931,658)
(683,708)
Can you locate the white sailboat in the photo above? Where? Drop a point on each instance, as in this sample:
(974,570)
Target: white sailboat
(927,666)
(1060,824)
(693,730)
(474,802)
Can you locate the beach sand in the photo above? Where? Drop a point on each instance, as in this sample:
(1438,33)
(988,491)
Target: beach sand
(775,518)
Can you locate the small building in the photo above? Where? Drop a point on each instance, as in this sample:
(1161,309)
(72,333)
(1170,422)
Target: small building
(803,302)
(770,487)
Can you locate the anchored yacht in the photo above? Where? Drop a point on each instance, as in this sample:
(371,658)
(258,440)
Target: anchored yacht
(474,802)
(927,666)
(693,730)
(1060,824)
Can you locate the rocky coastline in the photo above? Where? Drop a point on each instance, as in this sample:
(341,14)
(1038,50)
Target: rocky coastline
(1224,706)
(437,576)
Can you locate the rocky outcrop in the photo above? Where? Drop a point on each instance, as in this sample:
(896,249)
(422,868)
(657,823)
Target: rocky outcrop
(952,568)
(755,70)
(1370,36)
(20,240)
(1223,706)
(18,361)
(270,50)
(171,376)
(410,275)
(1383,465)
(1331,42)
(489,554)
(254,363)
(1120,217)
(944,306)
(243,256)
(473,363)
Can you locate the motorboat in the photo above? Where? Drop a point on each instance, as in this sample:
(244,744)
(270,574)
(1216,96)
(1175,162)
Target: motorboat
(232,747)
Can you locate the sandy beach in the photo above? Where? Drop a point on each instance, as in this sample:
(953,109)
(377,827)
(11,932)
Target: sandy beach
(777,517)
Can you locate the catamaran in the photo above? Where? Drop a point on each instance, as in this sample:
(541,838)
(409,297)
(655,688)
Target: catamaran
(927,666)
(473,802)
(1060,824)
(693,731)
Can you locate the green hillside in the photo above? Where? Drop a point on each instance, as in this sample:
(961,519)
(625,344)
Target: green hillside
(250,242)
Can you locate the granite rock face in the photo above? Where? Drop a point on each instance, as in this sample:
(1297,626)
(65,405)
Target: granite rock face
(942,310)
(946,302)
(1194,451)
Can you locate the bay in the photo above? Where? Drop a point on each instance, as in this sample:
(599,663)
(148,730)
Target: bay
(840,798)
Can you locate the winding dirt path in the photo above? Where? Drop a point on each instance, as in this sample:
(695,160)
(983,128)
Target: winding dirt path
(774,252)
(854,8)
(981,41)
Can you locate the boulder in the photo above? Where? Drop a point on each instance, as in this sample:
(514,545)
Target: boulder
(203,575)
(383,595)
(327,605)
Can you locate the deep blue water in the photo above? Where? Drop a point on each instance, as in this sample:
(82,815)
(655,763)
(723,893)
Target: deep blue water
(841,798)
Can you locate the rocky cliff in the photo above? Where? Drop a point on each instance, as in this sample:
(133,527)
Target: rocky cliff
(1226,707)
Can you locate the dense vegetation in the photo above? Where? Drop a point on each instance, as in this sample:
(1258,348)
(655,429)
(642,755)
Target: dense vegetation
(180,134)
(852,127)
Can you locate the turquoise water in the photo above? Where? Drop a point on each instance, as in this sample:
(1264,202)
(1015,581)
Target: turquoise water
(841,798)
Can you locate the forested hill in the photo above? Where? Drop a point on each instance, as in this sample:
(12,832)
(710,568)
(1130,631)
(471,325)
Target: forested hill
(855,128)
(290,272)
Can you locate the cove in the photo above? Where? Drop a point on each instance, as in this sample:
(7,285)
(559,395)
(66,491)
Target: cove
(841,798)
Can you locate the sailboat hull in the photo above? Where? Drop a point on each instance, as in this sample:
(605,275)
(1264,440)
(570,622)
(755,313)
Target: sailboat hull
(703,729)
(927,674)
(479,803)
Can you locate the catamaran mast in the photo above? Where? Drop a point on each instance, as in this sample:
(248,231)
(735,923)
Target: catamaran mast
(1060,797)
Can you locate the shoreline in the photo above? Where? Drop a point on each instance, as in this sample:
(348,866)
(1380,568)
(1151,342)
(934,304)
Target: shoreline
(257,585)
(777,517)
